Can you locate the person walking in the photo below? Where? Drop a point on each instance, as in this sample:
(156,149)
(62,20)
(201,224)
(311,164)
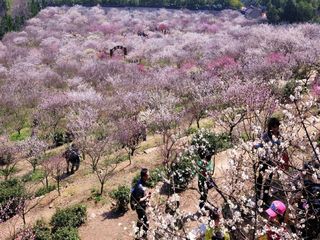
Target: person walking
(271,144)
(205,182)
(139,200)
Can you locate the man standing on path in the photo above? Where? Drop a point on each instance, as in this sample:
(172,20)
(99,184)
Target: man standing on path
(139,201)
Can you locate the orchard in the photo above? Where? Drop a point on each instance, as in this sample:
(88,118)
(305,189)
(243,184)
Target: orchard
(109,81)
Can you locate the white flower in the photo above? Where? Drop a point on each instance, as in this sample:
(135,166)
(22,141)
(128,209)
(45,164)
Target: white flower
(292,98)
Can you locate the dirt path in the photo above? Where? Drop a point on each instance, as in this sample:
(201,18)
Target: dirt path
(102,224)
(77,188)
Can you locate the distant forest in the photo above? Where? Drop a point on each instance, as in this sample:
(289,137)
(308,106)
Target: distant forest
(13,15)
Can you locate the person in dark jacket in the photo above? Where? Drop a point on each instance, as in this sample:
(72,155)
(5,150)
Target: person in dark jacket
(270,137)
(141,198)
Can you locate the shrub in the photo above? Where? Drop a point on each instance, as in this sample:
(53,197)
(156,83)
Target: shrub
(58,139)
(66,233)
(42,231)
(122,195)
(184,170)
(43,190)
(135,179)
(205,142)
(10,189)
(223,142)
(69,217)
(95,195)
(10,193)
(154,178)
(288,90)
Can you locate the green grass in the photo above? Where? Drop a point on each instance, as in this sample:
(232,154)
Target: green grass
(95,196)
(163,62)
(24,133)
(152,141)
(43,190)
(123,158)
(35,176)
(191,130)
(13,171)
(206,123)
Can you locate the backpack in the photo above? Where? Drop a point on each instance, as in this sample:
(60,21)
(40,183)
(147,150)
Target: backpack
(74,155)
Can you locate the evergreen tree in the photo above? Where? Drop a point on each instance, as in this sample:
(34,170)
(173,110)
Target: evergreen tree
(34,7)
(290,13)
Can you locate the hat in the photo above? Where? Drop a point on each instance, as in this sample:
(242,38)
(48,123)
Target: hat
(277,207)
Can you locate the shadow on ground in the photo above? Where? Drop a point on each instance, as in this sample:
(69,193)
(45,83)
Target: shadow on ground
(112,214)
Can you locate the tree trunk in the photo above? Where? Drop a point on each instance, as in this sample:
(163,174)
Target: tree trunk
(94,167)
(24,219)
(230,132)
(129,155)
(101,189)
(47,182)
(198,123)
(58,185)
(34,166)
(132,151)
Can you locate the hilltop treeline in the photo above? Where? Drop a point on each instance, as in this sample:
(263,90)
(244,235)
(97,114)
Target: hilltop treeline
(278,11)
(289,10)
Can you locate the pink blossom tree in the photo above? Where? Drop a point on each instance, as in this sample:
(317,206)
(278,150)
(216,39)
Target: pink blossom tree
(8,157)
(55,166)
(129,134)
(34,149)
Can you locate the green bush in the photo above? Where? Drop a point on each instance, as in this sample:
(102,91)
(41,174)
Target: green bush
(122,195)
(184,170)
(223,142)
(43,190)
(66,233)
(10,193)
(10,189)
(288,90)
(69,217)
(95,195)
(58,139)
(35,176)
(135,179)
(155,176)
(42,231)
(205,142)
